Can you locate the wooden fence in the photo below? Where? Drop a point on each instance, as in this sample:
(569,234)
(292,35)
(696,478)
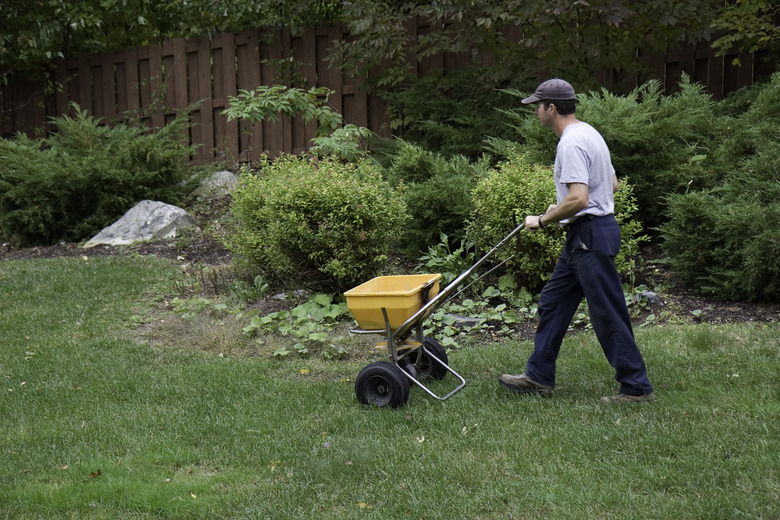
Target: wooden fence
(155,82)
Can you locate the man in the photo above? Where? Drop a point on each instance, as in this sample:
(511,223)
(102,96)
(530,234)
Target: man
(585,182)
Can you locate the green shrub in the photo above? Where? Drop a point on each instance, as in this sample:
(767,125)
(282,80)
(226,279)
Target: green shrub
(502,199)
(437,192)
(722,238)
(318,221)
(729,251)
(85,176)
(518,188)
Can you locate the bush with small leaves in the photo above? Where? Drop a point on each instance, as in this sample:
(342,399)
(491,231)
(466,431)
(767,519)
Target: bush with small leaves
(317,221)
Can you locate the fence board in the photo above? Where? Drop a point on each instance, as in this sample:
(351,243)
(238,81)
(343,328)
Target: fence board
(225,82)
(275,134)
(248,78)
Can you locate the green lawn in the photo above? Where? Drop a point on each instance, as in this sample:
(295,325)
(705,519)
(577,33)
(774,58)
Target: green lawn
(96,424)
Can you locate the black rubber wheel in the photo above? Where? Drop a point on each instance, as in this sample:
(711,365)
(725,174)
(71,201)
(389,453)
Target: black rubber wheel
(430,367)
(382,384)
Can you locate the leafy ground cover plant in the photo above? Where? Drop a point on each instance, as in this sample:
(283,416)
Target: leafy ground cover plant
(319,221)
(86,175)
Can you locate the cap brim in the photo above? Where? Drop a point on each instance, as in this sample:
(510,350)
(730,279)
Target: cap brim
(531,99)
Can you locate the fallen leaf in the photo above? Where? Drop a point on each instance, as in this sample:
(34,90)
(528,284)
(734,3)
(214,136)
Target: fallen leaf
(96,474)
(193,495)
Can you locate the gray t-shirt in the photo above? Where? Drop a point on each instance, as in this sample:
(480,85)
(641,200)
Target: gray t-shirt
(582,156)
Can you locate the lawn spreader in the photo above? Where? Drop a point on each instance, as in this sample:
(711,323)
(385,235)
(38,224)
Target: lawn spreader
(395,307)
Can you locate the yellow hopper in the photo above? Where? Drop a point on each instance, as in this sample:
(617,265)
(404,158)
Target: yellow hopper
(400,296)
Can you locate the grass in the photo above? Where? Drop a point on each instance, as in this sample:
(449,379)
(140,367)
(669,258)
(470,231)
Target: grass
(97,424)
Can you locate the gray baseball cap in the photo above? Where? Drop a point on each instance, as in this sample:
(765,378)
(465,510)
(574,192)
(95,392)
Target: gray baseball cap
(552,90)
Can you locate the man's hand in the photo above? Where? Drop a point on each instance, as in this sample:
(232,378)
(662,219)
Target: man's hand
(532,222)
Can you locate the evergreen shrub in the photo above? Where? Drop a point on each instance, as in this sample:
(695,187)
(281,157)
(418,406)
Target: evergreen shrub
(724,239)
(85,176)
(517,188)
(437,192)
(452,113)
(317,221)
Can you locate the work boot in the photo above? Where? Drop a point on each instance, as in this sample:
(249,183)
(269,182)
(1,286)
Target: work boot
(626,398)
(523,383)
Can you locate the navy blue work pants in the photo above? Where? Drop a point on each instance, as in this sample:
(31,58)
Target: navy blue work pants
(586,268)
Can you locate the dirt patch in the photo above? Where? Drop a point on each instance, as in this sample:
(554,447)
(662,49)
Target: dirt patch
(205,250)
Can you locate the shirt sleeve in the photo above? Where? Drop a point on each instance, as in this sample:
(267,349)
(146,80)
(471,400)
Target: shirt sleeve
(574,163)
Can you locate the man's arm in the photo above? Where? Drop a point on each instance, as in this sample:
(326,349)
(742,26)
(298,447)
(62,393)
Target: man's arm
(615,184)
(575,201)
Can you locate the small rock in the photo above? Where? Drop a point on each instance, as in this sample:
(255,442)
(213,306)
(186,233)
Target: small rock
(651,297)
(464,321)
(218,184)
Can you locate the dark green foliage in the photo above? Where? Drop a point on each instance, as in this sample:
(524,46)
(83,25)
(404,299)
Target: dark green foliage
(731,251)
(437,192)
(451,114)
(85,176)
(316,221)
(724,240)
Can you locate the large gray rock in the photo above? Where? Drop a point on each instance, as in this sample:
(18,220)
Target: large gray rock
(148,220)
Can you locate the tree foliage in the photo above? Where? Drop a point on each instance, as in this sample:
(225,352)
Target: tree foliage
(747,26)
(558,36)
(34,32)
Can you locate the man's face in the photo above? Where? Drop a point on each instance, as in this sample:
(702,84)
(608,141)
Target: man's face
(544,113)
